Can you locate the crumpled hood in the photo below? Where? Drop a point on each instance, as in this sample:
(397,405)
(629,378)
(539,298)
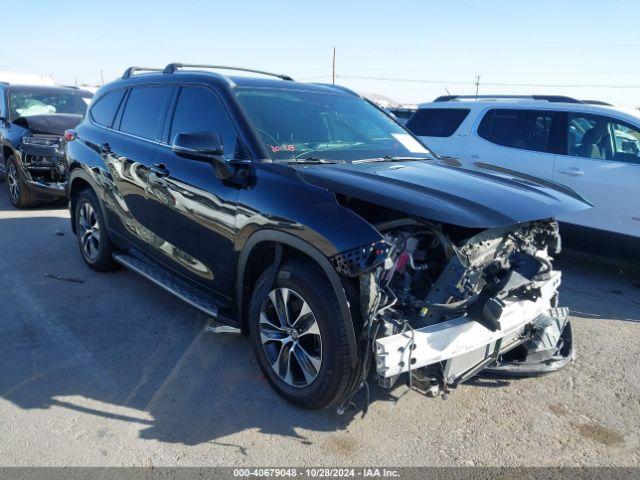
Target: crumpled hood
(51,124)
(448,194)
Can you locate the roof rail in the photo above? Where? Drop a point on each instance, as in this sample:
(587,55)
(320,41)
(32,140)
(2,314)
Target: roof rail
(596,102)
(173,67)
(548,98)
(131,70)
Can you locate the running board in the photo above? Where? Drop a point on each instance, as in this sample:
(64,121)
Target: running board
(168,282)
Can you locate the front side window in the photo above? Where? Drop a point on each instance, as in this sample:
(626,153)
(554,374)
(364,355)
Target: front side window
(104,109)
(25,102)
(199,110)
(143,111)
(437,122)
(522,129)
(602,138)
(298,125)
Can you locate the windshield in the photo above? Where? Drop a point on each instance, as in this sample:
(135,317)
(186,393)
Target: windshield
(305,125)
(25,103)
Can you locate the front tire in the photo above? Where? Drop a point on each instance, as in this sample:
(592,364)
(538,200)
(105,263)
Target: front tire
(20,195)
(299,336)
(91,233)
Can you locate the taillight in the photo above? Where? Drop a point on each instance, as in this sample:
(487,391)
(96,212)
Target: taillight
(69,135)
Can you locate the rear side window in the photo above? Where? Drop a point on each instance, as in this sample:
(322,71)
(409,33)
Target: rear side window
(142,113)
(3,108)
(522,129)
(104,110)
(200,110)
(437,122)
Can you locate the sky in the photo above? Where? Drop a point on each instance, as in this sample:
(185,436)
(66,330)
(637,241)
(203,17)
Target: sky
(410,51)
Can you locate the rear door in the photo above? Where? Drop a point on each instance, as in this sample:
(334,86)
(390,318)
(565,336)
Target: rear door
(602,163)
(128,149)
(192,211)
(441,129)
(524,140)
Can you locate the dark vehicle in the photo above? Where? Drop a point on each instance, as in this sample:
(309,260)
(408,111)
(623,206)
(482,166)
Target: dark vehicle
(312,221)
(33,120)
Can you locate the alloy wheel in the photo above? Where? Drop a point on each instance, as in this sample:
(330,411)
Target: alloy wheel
(290,337)
(12,182)
(89,231)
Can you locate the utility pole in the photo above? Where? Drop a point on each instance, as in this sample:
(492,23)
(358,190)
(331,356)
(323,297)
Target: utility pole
(101,77)
(333,74)
(477,85)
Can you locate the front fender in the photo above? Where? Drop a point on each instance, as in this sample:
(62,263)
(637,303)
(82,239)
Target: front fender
(281,200)
(287,239)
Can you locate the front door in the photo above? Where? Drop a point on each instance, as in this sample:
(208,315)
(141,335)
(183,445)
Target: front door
(603,165)
(193,212)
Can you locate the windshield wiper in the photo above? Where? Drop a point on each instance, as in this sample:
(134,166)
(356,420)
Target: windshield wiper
(389,158)
(315,160)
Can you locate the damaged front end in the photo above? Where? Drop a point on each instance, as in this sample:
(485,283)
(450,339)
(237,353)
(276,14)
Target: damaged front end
(43,164)
(443,303)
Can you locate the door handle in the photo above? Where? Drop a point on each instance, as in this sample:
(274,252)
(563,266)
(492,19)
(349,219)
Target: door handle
(104,148)
(159,170)
(573,171)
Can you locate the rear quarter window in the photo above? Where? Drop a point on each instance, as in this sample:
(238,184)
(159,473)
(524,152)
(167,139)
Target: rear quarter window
(104,109)
(436,122)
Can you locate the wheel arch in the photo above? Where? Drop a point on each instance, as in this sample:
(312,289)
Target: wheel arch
(7,151)
(261,252)
(78,182)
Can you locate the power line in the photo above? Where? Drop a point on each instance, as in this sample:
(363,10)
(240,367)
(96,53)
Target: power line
(491,48)
(492,84)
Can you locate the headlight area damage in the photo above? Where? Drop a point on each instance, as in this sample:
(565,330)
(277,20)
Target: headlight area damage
(43,162)
(442,303)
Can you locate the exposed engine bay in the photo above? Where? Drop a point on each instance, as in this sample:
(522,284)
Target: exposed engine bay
(446,305)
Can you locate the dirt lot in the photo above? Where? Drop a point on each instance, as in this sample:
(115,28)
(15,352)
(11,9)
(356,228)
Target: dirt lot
(107,369)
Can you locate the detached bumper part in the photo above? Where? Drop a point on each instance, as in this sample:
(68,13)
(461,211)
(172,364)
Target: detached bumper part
(464,347)
(549,350)
(44,169)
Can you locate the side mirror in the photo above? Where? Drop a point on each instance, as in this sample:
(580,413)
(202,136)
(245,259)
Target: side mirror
(203,146)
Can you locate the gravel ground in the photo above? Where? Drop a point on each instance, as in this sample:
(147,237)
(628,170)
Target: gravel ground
(107,369)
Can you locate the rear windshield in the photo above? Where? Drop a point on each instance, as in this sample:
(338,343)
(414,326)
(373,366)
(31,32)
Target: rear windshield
(437,122)
(303,124)
(25,102)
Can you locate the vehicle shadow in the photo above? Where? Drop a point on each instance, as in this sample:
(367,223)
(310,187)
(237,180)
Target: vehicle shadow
(114,346)
(599,290)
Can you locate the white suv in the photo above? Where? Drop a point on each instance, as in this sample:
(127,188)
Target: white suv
(588,146)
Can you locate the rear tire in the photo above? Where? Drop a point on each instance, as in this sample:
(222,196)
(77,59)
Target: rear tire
(302,348)
(91,232)
(20,195)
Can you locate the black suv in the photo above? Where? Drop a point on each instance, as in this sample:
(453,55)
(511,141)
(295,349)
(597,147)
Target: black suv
(311,220)
(33,120)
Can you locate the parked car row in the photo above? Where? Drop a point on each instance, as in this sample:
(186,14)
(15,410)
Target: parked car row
(319,226)
(589,147)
